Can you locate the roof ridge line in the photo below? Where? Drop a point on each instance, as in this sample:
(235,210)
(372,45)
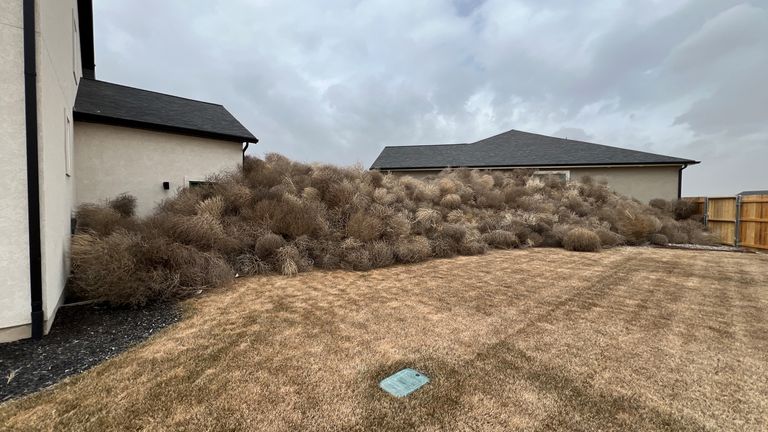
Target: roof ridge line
(425,145)
(580,141)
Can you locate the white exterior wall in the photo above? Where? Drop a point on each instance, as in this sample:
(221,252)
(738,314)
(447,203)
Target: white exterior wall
(111,160)
(643,183)
(14,247)
(57,73)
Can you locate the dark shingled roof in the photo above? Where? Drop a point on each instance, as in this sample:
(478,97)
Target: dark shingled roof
(516,149)
(103,102)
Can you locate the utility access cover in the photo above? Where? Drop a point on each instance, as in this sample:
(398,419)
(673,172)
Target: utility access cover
(404,382)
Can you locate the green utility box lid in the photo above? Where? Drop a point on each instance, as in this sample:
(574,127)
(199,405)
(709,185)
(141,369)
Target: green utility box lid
(404,382)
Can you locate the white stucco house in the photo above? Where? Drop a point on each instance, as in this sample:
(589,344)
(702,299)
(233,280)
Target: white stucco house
(68,138)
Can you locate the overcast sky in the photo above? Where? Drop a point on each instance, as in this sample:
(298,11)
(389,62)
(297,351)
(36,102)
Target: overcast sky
(336,80)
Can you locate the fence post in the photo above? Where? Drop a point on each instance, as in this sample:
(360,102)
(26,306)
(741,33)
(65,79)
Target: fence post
(737,234)
(706,211)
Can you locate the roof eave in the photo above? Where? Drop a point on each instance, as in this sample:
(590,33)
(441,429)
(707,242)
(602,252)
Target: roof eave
(114,121)
(571,165)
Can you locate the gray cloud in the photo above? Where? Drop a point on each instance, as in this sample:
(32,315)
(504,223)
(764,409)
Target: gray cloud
(335,81)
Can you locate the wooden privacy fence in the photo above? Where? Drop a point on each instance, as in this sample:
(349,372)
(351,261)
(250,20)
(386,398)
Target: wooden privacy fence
(739,221)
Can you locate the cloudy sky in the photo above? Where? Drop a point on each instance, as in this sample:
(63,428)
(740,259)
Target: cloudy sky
(337,80)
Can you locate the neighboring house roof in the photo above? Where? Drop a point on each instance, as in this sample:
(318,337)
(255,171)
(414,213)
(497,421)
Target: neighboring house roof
(516,149)
(103,102)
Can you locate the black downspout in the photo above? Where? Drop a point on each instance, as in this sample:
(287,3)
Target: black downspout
(680,181)
(244,149)
(33,171)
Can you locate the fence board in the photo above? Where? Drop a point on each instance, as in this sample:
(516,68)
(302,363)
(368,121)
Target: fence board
(722,219)
(753,229)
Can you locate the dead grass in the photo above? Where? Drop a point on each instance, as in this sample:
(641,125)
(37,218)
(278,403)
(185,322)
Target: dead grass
(534,339)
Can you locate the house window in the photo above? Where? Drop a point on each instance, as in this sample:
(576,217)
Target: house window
(556,175)
(200,183)
(68,147)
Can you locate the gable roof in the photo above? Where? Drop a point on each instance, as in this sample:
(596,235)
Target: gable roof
(103,102)
(516,149)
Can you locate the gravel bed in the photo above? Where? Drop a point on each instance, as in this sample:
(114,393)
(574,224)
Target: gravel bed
(82,336)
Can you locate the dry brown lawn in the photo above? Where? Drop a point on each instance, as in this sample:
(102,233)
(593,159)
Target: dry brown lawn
(538,339)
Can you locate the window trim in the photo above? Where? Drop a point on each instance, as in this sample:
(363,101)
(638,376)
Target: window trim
(191,182)
(542,173)
(68,148)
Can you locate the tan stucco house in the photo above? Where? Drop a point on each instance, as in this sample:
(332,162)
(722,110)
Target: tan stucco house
(637,174)
(69,138)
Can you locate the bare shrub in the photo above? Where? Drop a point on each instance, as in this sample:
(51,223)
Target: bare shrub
(235,196)
(659,239)
(122,269)
(397,226)
(581,240)
(674,231)
(451,201)
(609,238)
(455,216)
(284,216)
(105,268)
(365,227)
(294,217)
(98,219)
(213,207)
(426,219)
(383,196)
(659,203)
(684,209)
(248,265)
(427,192)
(577,205)
(513,193)
(357,258)
(340,194)
(454,232)
(472,247)
(697,234)
(267,245)
(288,258)
(124,204)
(380,254)
(637,227)
(184,203)
(203,230)
(447,186)
(491,199)
(501,239)
(443,247)
(413,249)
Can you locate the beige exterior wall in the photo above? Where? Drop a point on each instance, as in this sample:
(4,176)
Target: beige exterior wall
(58,70)
(14,252)
(111,160)
(643,183)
